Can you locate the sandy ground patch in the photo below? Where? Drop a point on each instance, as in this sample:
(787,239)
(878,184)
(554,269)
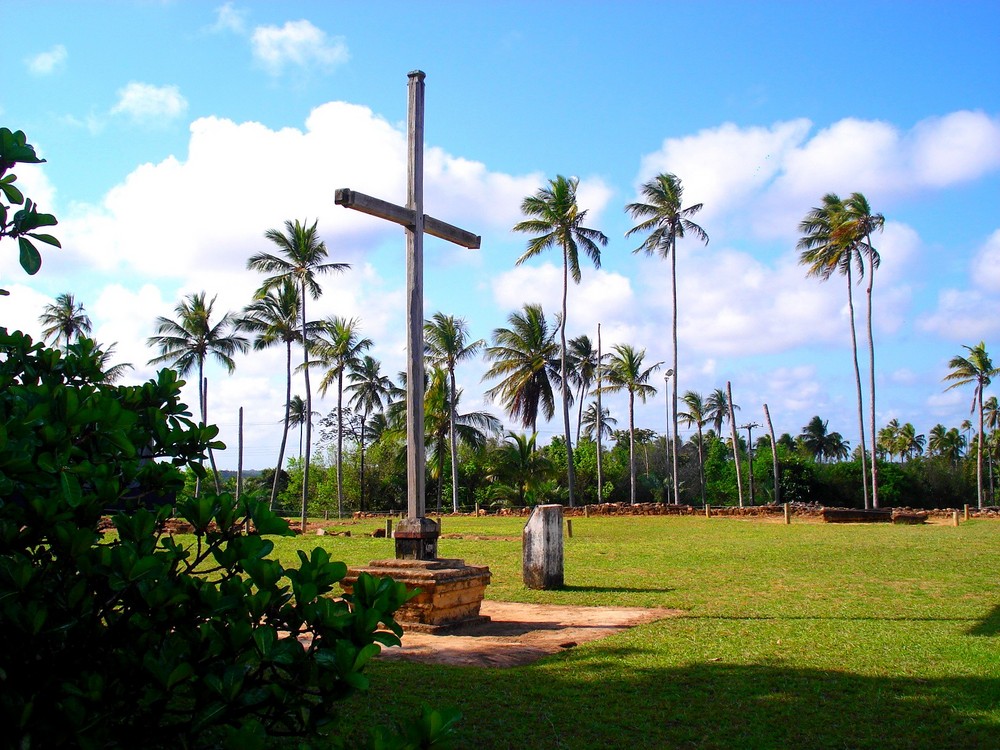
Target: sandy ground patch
(519,634)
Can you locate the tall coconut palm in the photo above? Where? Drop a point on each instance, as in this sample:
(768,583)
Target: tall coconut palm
(822,444)
(274,319)
(888,439)
(581,364)
(301,259)
(976,368)
(556,220)
(697,414)
(112,372)
(860,224)
(662,216)
(339,347)
(625,372)
(523,359)
(446,343)
(910,443)
(828,246)
(65,320)
(370,392)
(185,344)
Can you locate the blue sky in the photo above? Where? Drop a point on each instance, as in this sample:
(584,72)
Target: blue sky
(177,133)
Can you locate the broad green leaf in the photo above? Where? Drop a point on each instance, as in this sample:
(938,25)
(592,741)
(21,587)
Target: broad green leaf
(31,260)
(48,239)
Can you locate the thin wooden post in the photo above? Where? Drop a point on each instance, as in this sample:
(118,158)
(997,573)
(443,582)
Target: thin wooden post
(788,514)
(966,511)
(736,441)
(708,510)
(954,518)
(569,527)
(388,528)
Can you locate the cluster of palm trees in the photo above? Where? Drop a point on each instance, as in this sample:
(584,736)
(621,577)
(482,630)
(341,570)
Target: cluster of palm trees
(532,360)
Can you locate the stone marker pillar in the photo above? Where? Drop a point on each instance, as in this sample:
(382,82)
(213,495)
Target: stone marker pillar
(416,539)
(542,542)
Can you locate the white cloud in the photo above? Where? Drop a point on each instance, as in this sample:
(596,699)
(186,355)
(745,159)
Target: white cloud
(985,271)
(48,62)
(299,44)
(230,18)
(962,315)
(763,180)
(957,147)
(146,103)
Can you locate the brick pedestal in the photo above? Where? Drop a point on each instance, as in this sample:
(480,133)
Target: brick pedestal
(451,592)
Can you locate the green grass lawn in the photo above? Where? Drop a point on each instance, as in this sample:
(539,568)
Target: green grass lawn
(801,636)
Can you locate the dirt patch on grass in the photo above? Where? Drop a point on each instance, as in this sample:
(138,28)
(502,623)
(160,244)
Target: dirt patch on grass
(518,634)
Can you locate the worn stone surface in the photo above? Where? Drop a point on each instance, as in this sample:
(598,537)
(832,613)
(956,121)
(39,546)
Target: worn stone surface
(542,540)
(416,538)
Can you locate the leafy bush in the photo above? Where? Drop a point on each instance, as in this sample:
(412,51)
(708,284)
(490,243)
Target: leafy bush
(130,638)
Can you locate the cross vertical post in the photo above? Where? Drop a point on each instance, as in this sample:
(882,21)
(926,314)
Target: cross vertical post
(416,536)
(415,450)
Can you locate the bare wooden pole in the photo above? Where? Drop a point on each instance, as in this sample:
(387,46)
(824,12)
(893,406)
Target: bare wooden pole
(600,426)
(774,457)
(736,441)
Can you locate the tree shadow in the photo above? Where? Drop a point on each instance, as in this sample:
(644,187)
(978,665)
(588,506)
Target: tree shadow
(989,625)
(615,589)
(586,699)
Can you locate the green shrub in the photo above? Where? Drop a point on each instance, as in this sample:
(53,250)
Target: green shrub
(129,638)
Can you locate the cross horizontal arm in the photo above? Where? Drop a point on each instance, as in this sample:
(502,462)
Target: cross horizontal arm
(405,216)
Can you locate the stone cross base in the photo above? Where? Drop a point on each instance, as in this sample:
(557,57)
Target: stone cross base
(416,539)
(451,592)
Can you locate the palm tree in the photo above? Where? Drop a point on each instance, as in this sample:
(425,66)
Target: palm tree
(446,344)
(822,444)
(440,413)
(697,414)
(185,343)
(523,357)
(910,443)
(581,364)
(112,373)
(860,225)
(274,318)
(626,373)
(976,368)
(301,258)
(590,421)
(829,246)
(717,409)
(339,347)
(297,416)
(557,221)
(520,464)
(662,216)
(66,321)
(370,391)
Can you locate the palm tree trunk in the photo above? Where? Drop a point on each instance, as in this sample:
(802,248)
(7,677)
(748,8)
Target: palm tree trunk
(211,453)
(201,411)
(701,463)
(305,372)
(979,457)
(871,377)
(677,435)
(361,495)
(570,470)
(288,409)
(440,487)
(340,442)
(631,446)
(857,380)
(454,443)
(600,425)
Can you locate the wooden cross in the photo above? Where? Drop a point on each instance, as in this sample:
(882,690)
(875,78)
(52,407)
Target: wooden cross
(412,217)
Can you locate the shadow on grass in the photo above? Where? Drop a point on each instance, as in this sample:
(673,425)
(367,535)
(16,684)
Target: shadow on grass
(607,699)
(989,625)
